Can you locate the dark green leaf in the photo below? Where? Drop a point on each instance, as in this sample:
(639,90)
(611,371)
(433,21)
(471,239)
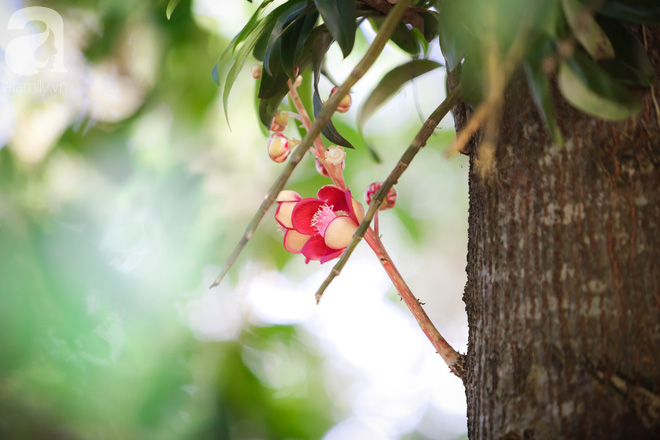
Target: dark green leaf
(286,18)
(294,40)
(170,8)
(341,19)
(329,131)
(268,106)
(588,87)
(276,87)
(632,64)
(635,11)
(406,39)
(430,24)
(587,31)
(273,83)
(391,83)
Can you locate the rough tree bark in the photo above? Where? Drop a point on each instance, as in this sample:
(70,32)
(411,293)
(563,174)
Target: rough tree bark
(563,293)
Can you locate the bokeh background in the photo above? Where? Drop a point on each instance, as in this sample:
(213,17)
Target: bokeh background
(122,191)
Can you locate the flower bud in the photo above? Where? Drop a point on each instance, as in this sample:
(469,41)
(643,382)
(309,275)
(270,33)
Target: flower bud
(278,147)
(345,103)
(280,121)
(320,168)
(298,81)
(335,155)
(390,199)
(256,71)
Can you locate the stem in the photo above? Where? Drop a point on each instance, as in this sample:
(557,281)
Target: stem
(335,172)
(370,56)
(454,360)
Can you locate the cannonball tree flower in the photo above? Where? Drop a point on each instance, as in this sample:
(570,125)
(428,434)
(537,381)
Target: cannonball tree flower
(319,228)
(280,121)
(388,202)
(278,147)
(345,103)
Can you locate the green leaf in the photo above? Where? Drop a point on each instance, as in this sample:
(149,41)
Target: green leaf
(170,8)
(635,11)
(588,87)
(632,64)
(239,61)
(329,130)
(472,78)
(252,24)
(454,32)
(248,37)
(341,19)
(391,83)
(586,30)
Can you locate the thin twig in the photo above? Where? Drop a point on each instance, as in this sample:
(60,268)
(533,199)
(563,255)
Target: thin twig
(454,360)
(416,145)
(372,53)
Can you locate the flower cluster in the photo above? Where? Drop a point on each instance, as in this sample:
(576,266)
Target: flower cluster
(319,228)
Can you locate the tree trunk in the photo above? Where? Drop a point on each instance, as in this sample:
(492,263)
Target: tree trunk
(563,293)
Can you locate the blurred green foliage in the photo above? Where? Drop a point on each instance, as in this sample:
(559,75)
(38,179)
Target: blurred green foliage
(92,344)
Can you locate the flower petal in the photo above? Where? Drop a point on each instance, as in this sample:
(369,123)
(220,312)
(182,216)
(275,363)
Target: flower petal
(303,213)
(330,256)
(358,211)
(294,241)
(315,248)
(335,196)
(283,214)
(288,196)
(339,232)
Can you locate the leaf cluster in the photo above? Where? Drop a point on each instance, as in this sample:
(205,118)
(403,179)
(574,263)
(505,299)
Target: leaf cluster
(599,65)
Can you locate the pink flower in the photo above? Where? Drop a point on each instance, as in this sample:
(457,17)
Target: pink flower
(390,199)
(319,228)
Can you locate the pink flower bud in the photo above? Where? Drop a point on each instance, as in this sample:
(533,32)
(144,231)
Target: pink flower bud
(256,71)
(321,169)
(278,147)
(345,103)
(390,199)
(280,120)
